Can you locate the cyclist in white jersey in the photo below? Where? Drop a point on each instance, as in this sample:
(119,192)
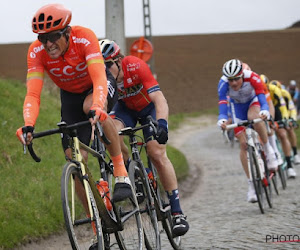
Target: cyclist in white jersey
(248,99)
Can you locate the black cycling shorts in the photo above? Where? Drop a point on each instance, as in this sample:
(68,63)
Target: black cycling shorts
(72,109)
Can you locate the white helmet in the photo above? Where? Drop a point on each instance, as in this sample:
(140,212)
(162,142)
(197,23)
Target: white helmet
(233,68)
(109,49)
(293,83)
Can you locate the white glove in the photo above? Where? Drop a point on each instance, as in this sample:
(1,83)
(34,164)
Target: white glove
(221,121)
(264,113)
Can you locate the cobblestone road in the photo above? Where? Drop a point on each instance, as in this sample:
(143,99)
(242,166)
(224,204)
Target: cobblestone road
(214,199)
(215,202)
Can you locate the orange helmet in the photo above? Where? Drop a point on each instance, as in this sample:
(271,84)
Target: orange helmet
(51,17)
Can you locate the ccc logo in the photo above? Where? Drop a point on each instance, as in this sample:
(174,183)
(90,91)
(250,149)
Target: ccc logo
(68,70)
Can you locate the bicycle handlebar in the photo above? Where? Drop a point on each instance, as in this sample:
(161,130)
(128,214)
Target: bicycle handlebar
(65,129)
(243,123)
(130,131)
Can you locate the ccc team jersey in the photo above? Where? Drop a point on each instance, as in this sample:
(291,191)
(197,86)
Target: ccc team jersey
(79,69)
(138,83)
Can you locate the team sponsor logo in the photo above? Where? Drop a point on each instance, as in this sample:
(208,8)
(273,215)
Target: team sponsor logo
(81,40)
(68,70)
(131,91)
(36,50)
(73,78)
(52,62)
(92,55)
(133,66)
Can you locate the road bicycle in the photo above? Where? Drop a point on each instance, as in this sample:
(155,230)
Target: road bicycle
(153,201)
(257,166)
(88,215)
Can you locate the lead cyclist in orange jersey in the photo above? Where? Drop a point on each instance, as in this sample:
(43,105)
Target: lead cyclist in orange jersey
(72,58)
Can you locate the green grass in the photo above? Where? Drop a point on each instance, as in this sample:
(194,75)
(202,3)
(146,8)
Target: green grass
(30,206)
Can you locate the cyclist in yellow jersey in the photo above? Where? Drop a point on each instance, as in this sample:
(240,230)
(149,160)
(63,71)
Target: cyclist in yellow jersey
(282,116)
(271,134)
(292,120)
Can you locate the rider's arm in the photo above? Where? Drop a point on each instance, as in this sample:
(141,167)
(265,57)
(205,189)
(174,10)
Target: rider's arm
(35,77)
(96,68)
(222,93)
(161,105)
(282,107)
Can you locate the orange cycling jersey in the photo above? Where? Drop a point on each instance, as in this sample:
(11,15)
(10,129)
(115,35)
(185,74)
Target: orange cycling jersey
(79,69)
(137,84)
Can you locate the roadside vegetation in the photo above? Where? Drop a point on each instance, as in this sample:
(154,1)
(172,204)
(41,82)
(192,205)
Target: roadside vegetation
(30,206)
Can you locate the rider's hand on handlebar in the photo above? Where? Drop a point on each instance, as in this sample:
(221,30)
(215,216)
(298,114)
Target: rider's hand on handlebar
(97,114)
(264,114)
(24,134)
(162,131)
(222,123)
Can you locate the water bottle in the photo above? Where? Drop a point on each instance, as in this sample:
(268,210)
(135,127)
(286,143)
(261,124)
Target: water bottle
(103,189)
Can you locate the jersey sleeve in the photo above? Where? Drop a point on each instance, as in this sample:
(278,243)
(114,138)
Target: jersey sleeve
(222,93)
(35,77)
(96,67)
(146,76)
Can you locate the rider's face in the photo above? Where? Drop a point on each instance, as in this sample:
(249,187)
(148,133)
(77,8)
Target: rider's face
(56,47)
(236,83)
(117,71)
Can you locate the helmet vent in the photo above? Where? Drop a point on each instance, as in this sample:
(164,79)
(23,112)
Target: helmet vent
(57,22)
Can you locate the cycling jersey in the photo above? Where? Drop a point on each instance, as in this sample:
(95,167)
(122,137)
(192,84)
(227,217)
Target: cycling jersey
(278,102)
(250,93)
(137,84)
(292,112)
(79,69)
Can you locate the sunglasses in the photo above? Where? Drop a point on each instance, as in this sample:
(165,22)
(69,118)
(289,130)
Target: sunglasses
(235,78)
(52,37)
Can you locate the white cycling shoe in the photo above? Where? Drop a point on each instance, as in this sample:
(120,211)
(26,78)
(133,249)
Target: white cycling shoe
(279,159)
(297,159)
(291,173)
(272,162)
(251,195)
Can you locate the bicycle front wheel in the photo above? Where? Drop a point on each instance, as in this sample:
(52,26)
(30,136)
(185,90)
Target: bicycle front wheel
(139,180)
(256,178)
(82,231)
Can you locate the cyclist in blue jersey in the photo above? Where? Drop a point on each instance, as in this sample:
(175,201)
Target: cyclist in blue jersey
(246,92)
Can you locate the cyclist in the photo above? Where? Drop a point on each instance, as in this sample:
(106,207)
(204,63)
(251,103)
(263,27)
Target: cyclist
(72,58)
(294,91)
(140,96)
(247,97)
(287,133)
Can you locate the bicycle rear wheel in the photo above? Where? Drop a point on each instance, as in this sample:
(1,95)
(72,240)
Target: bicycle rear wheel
(139,180)
(166,218)
(131,237)
(282,175)
(257,182)
(82,231)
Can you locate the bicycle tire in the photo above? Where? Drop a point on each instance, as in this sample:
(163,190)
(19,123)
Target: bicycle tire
(275,183)
(139,180)
(282,176)
(164,216)
(267,183)
(73,207)
(257,183)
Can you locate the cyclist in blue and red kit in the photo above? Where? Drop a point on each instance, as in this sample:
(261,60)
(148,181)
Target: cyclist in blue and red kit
(246,92)
(140,96)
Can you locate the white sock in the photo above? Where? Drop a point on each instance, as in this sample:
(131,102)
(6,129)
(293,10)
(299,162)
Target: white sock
(272,141)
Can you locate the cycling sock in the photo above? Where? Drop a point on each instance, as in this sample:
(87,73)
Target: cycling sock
(174,201)
(119,166)
(294,150)
(272,141)
(268,149)
(288,161)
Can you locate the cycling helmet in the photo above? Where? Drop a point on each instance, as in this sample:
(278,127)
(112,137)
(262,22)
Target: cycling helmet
(276,83)
(264,78)
(51,17)
(293,83)
(109,49)
(233,68)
